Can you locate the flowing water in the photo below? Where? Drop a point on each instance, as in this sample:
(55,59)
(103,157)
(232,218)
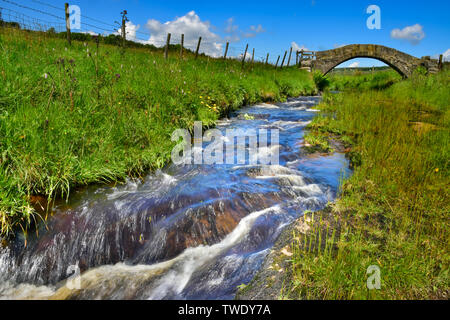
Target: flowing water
(185,232)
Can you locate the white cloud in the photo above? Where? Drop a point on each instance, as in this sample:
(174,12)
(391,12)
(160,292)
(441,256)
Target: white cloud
(231,28)
(257,29)
(354,65)
(248,35)
(192,27)
(337,45)
(296,47)
(248,57)
(234,34)
(130,30)
(254,30)
(414,34)
(446,55)
(232,38)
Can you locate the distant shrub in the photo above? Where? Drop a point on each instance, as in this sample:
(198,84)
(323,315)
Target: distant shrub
(9,24)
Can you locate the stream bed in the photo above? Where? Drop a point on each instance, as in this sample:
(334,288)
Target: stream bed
(184,232)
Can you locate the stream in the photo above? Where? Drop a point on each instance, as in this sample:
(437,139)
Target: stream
(184,232)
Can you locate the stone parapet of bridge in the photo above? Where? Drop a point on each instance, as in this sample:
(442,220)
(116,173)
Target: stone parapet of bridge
(403,63)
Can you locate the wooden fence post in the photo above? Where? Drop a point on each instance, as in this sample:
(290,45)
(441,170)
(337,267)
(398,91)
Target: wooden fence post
(284,58)
(69,40)
(198,47)
(253,55)
(278,60)
(166,51)
(267,59)
(289,60)
(182,46)
(124,33)
(440,62)
(300,60)
(245,55)
(226,50)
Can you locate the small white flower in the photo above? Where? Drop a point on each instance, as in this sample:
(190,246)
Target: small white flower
(45,75)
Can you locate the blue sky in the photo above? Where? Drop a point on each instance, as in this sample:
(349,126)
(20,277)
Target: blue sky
(271,26)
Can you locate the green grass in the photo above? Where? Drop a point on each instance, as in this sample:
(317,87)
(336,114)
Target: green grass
(322,128)
(72,116)
(317,142)
(363,81)
(393,212)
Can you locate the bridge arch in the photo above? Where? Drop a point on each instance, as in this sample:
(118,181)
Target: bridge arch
(399,70)
(401,62)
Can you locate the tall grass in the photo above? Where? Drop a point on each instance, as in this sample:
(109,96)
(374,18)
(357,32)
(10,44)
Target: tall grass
(394,211)
(72,116)
(363,81)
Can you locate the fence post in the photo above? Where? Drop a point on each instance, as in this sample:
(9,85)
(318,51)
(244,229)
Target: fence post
(124,34)
(69,40)
(300,59)
(253,56)
(166,51)
(182,46)
(267,59)
(284,58)
(440,62)
(245,55)
(289,60)
(198,47)
(226,50)
(278,60)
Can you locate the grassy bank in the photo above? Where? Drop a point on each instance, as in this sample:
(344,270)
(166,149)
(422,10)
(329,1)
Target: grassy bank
(393,212)
(363,80)
(72,116)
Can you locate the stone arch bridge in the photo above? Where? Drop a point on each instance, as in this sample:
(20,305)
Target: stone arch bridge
(403,63)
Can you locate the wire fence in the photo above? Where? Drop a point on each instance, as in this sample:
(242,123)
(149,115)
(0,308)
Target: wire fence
(31,17)
(17,19)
